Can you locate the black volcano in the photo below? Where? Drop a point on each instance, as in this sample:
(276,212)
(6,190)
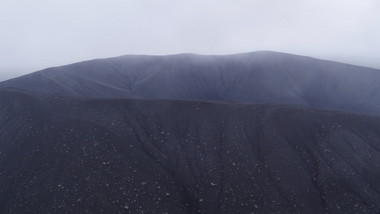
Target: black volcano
(91,150)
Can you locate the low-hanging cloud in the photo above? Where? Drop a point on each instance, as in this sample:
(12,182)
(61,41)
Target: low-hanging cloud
(45,33)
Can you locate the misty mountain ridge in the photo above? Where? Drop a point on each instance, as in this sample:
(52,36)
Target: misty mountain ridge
(257,77)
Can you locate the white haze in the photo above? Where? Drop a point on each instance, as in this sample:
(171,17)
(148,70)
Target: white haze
(44,33)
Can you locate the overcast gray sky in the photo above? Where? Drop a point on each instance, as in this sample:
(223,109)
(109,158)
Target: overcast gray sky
(44,33)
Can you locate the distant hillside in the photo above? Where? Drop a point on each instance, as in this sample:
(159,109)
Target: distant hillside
(76,155)
(258,77)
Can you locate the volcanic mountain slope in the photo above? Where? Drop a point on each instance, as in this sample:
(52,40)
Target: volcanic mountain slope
(65,155)
(257,77)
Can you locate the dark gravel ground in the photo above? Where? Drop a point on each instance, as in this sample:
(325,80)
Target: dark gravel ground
(74,155)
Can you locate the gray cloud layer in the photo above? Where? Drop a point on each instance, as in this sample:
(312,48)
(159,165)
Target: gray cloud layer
(39,34)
